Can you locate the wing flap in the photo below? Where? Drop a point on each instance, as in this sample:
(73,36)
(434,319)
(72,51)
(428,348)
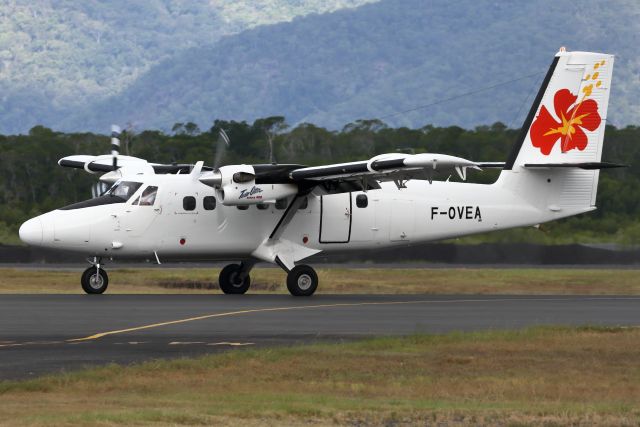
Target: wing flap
(388,167)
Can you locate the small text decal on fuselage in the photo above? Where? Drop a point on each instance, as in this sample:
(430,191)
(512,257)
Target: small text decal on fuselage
(457,212)
(250,194)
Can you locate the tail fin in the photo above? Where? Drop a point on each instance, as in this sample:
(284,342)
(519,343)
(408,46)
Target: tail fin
(563,133)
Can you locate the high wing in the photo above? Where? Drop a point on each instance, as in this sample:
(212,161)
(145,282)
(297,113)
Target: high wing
(126,165)
(388,167)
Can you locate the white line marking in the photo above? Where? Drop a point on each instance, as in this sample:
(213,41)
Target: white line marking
(186,342)
(234,344)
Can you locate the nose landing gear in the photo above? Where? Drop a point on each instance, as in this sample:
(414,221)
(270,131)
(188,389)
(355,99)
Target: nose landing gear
(94,280)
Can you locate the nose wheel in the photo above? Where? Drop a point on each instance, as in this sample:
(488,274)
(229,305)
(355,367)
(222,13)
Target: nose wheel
(302,281)
(94,280)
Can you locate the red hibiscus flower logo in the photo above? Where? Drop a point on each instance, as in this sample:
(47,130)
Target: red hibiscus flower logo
(568,127)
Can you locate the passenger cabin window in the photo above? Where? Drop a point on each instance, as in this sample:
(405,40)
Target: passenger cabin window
(148,196)
(262,206)
(209,203)
(304,204)
(281,203)
(189,203)
(362,201)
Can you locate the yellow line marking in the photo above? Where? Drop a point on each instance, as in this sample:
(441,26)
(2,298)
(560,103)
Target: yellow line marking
(306,307)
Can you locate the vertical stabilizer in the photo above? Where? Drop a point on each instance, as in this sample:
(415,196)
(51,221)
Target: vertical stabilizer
(567,119)
(565,126)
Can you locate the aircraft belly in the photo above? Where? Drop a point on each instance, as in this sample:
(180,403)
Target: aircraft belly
(224,232)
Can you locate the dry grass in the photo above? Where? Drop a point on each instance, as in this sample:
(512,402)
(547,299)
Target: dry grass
(550,376)
(342,280)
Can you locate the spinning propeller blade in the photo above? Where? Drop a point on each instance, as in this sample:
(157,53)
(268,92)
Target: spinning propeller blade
(115,144)
(223,143)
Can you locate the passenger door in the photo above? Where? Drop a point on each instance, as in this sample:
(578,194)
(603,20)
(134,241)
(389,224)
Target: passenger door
(335,218)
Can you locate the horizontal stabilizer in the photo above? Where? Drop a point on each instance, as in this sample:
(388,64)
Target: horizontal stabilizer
(582,165)
(490,165)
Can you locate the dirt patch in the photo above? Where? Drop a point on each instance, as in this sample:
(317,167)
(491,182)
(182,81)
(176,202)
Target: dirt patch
(187,284)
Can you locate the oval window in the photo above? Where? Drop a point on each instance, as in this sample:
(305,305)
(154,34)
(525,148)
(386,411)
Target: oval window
(209,203)
(362,201)
(189,203)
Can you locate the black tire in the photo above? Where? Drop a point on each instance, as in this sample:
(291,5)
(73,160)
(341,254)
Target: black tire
(94,280)
(229,283)
(302,281)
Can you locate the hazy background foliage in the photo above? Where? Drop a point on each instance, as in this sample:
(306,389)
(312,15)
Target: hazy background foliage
(79,66)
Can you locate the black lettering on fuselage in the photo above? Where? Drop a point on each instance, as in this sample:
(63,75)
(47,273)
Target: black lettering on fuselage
(458,212)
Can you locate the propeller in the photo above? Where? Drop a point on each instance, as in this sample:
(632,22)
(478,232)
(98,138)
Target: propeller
(115,144)
(221,147)
(214,179)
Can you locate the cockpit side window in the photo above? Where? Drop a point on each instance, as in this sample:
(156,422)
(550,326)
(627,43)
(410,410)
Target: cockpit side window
(124,189)
(148,196)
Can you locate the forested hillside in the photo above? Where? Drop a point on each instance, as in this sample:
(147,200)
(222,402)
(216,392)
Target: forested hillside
(31,182)
(57,57)
(80,66)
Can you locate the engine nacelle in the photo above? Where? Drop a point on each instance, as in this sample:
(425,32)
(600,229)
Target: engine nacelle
(236,185)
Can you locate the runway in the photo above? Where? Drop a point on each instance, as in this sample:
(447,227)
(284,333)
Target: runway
(47,333)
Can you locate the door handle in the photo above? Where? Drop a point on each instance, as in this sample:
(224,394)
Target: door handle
(159,209)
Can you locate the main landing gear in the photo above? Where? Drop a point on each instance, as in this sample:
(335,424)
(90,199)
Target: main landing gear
(302,280)
(94,280)
(234,278)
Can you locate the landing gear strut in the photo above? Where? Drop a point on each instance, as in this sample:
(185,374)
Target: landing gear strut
(302,281)
(94,279)
(234,278)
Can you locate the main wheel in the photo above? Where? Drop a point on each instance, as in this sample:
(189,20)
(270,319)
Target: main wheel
(302,281)
(94,280)
(230,282)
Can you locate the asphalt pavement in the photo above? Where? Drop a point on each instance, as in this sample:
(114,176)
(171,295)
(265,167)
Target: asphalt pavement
(48,333)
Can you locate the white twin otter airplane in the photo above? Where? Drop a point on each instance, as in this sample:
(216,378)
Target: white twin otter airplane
(285,213)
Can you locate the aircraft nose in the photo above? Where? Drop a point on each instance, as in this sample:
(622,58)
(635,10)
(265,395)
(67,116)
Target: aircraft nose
(31,232)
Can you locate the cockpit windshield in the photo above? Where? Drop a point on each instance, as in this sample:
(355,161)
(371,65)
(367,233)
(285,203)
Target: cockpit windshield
(119,193)
(124,189)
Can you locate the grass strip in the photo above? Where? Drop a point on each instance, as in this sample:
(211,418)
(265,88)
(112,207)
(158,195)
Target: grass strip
(535,376)
(342,280)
